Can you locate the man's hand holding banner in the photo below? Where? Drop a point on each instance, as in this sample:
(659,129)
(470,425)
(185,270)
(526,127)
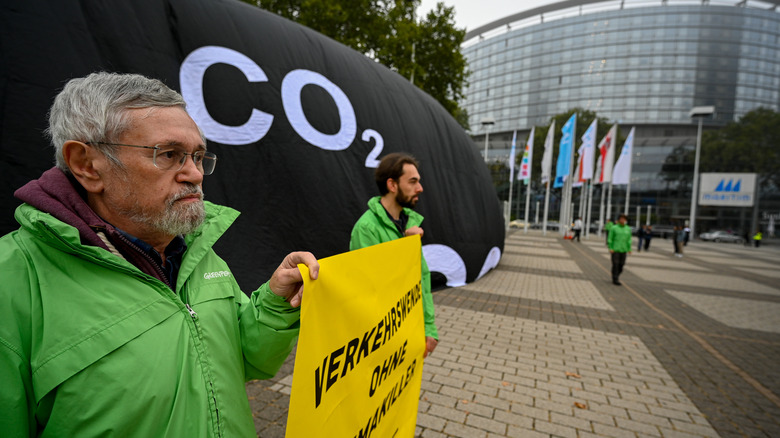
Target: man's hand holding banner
(358,367)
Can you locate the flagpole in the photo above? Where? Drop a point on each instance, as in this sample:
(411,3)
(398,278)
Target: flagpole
(511,180)
(527,202)
(628,194)
(601,210)
(510,203)
(570,213)
(517,203)
(563,208)
(546,208)
(590,207)
(609,202)
(536,213)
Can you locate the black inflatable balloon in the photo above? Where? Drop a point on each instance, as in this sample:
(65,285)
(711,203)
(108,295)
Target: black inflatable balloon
(297,120)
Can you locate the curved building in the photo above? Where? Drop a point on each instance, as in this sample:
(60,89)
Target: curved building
(640,63)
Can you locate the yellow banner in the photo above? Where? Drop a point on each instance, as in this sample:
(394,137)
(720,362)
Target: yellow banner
(358,367)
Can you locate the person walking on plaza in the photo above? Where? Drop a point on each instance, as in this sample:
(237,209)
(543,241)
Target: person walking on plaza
(391,216)
(648,237)
(687,231)
(679,241)
(118,317)
(577,229)
(619,243)
(757,239)
(640,234)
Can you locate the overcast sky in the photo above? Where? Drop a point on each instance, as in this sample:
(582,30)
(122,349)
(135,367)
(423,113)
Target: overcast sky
(474,13)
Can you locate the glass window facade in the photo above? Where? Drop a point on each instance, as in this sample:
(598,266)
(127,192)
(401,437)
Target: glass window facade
(643,66)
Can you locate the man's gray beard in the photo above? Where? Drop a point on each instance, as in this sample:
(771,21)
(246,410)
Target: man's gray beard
(175,219)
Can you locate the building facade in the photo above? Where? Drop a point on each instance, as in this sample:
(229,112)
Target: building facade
(638,63)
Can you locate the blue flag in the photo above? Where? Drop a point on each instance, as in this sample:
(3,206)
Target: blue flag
(563,166)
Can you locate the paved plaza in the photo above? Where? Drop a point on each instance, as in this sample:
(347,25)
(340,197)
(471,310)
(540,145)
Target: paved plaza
(545,345)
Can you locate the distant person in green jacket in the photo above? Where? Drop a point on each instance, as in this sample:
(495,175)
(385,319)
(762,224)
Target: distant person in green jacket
(619,243)
(118,317)
(757,238)
(390,216)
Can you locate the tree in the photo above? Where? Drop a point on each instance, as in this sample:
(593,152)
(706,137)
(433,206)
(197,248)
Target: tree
(751,144)
(427,51)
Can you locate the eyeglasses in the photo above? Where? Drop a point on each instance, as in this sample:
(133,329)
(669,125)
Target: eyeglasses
(167,157)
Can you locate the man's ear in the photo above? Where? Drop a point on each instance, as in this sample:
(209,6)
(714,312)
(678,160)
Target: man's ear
(85,163)
(392,185)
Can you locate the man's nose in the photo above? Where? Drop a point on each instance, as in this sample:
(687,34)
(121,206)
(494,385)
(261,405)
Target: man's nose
(190,172)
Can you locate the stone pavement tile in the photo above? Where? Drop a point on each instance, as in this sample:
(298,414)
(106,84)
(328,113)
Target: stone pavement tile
(735,312)
(546,394)
(532,251)
(463,431)
(707,280)
(543,288)
(659,262)
(734,261)
(269,409)
(774,272)
(543,263)
(536,244)
(532,237)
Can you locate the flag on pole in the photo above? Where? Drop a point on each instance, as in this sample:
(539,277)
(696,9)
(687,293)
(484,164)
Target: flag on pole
(622,172)
(528,158)
(512,158)
(606,157)
(563,167)
(548,152)
(587,152)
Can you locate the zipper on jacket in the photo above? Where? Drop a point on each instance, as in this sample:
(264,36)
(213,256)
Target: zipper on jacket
(193,314)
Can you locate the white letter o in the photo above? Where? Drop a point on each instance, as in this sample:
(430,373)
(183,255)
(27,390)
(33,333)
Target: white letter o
(292,85)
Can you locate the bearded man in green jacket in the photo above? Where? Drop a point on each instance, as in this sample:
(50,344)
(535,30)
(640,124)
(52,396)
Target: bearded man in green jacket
(118,318)
(390,216)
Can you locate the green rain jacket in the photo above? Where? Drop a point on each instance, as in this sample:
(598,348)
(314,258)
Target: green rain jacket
(619,239)
(91,346)
(373,228)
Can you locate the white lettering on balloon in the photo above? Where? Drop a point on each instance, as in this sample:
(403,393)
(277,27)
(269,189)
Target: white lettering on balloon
(371,159)
(292,85)
(191,74)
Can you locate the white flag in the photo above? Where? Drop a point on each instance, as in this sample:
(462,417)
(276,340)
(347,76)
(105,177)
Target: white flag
(512,158)
(528,158)
(622,172)
(606,157)
(548,152)
(587,152)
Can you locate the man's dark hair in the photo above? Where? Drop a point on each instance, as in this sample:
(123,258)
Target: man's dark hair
(623,216)
(392,166)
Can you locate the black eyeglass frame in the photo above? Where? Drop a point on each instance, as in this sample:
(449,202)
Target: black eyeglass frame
(205,161)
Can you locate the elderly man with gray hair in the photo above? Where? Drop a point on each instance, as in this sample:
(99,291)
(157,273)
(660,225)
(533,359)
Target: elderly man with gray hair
(118,317)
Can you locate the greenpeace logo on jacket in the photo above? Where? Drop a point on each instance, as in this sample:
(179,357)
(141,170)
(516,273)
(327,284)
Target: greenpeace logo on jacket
(216,274)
